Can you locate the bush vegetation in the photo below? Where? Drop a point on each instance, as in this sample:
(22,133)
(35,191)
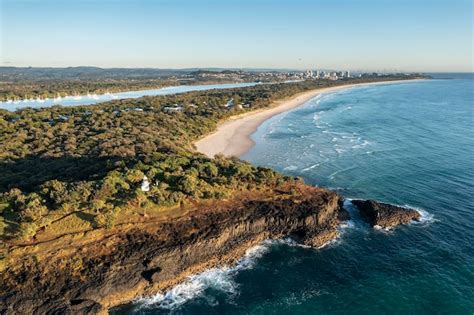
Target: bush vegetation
(90,160)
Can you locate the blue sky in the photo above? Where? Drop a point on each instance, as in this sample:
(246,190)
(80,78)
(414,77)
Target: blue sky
(407,35)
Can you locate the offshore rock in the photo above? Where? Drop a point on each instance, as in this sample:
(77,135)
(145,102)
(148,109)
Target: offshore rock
(384,215)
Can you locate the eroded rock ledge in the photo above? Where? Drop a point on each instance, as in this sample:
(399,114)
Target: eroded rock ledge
(385,215)
(147,259)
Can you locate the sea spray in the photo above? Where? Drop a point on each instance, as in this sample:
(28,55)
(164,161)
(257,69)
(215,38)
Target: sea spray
(220,278)
(426,217)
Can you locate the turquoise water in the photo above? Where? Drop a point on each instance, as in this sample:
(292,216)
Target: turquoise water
(408,144)
(95,99)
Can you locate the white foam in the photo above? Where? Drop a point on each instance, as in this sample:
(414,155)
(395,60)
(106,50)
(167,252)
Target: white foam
(297,299)
(363,144)
(217,278)
(317,120)
(221,279)
(251,256)
(426,217)
(290,168)
(287,241)
(328,243)
(315,101)
(339,151)
(349,224)
(342,229)
(383,229)
(310,167)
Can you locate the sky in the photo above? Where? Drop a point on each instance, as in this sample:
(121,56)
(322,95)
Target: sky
(368,35)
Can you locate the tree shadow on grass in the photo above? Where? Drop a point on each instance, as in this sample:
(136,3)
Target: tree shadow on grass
(10,224)
(28,173)
(87,217)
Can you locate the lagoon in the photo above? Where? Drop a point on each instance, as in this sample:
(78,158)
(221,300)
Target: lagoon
(100,98)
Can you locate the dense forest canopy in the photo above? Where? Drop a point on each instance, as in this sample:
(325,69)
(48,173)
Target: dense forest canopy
(92,159)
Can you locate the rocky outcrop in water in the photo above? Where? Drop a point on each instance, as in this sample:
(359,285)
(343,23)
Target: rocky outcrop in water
(120,266)
(385,215)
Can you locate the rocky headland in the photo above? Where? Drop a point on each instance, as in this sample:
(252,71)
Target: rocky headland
(96,271)
(118,266)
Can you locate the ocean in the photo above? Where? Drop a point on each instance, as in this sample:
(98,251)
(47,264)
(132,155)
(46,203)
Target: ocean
(407,144)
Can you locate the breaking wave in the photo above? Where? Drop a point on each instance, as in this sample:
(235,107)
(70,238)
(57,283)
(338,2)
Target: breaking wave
(220,279)
(426,217)
(290,168)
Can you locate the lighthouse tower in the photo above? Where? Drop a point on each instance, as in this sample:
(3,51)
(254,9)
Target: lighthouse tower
(145,184)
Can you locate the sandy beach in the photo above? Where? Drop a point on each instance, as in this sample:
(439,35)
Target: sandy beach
(232,137)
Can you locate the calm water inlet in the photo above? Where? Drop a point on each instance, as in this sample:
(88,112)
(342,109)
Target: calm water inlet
(95,99)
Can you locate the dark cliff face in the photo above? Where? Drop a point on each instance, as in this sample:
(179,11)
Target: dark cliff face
(143,261)
(385,215)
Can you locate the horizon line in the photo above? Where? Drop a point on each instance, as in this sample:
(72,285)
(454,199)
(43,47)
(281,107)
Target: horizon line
(231,68)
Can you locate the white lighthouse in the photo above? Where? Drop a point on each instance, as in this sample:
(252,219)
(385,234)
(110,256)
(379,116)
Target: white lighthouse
(145,184)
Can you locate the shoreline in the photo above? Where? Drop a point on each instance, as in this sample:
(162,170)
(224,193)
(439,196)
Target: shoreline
(233,136)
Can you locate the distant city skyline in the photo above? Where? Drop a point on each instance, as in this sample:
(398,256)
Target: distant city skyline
(366,35)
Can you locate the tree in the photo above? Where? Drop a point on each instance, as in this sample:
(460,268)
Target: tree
(134,176)
(210,170)
(55,191)
(188,184)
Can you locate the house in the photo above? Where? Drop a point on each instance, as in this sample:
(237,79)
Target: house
(230,103)
(172,109)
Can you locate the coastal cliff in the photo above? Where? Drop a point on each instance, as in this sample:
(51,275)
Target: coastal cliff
(114,269)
